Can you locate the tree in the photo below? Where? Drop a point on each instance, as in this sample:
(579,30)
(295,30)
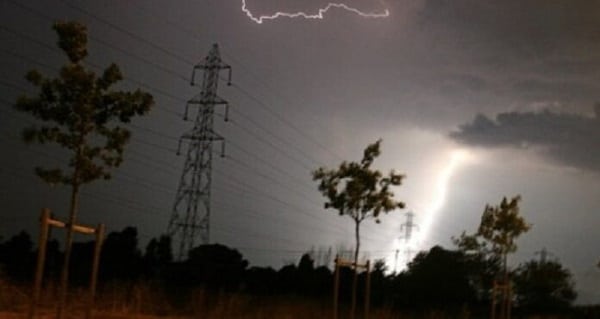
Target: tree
(77,110)
(158,255)
(499,228)
(121,258)
(216,266)
(359,192)
(440,278)
(17,257)
(544,286)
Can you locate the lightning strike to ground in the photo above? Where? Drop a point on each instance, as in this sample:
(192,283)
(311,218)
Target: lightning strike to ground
(417,242)
(320,15)
(456,159)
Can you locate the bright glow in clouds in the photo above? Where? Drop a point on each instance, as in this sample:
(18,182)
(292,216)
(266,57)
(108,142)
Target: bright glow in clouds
(427,217)
(319,15)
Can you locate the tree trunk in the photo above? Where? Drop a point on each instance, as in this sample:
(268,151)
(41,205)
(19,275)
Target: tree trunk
(504,302)
(355,278)
(64,275)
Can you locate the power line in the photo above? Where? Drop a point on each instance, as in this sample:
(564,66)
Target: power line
(168,149)
(96,66)
(275,136)
(262,128)
(256,79)
(287,122)
(130,34)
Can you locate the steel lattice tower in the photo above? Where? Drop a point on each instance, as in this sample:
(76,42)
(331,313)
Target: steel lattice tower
(190,219)
(408,226)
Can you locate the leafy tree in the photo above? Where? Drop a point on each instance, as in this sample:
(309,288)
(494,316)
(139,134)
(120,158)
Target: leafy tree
(121,258)
(17,257)
(78,110)
(216,266)
(379,282)
(440,278)
(158,255)
(544,286)
(81,262)
(499,228)
(359,192)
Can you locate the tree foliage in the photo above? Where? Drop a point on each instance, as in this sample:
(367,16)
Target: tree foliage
(77,110)
(16,257)
(450,272)
(356,190)
(436,281)
(544,286)
(499,228)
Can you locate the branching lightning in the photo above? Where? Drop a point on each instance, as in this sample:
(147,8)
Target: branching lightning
(320,15)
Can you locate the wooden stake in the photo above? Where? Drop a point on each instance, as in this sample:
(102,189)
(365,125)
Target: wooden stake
(368,290)
(336,286)
(41,260)
(94,276)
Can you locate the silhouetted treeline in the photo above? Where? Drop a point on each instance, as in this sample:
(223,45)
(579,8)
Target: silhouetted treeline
(448,280)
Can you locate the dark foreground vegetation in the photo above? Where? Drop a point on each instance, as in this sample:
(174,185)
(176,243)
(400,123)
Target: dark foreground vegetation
(215,281)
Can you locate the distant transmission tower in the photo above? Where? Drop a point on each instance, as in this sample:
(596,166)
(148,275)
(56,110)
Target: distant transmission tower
(408,226)
(190,219)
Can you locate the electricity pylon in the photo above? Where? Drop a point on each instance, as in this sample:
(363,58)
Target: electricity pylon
(190,218)
(408,226)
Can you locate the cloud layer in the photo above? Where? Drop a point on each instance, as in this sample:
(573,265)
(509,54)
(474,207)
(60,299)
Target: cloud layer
(568,139)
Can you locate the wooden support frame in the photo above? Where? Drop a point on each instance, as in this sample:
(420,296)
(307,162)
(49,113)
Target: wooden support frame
(46,222)
(336,284)
(504,306)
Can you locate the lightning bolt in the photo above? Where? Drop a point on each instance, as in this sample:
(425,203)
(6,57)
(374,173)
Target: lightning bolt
(320,15)
(457,158)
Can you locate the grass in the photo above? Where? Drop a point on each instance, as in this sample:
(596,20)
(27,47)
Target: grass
(118,301)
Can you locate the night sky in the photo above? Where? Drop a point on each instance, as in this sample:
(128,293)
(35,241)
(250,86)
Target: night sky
(474,100)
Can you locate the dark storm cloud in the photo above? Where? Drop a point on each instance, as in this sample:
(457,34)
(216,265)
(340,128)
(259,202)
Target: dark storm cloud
(456,85)
(541,88)
(569,139)
(537,24)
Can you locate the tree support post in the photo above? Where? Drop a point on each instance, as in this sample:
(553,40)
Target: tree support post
(368,289)
(336,286)
(504,290)
(46,222)
(41,260)
(94,275)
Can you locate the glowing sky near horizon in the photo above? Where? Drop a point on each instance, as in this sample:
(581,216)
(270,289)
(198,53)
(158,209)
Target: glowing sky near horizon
(319,15)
